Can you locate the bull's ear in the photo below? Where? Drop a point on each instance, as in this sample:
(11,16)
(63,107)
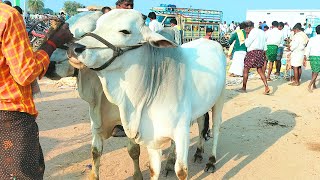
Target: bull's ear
(157,40)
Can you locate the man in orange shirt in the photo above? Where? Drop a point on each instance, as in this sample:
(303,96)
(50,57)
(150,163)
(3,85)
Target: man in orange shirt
(20,151)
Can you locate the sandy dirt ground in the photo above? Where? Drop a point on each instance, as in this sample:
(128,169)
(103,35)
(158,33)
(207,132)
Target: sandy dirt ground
(262,137)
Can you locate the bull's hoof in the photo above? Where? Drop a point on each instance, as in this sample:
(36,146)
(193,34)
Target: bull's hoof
(198,155)
(93,176)
(210,165)
(137,176)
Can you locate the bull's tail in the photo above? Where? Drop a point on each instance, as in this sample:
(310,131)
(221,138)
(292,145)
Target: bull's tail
(205,129)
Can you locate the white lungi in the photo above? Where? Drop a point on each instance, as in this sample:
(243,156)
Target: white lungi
(297,57)
(238,63)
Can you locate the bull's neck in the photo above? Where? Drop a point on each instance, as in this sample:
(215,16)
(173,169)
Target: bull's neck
(125,79)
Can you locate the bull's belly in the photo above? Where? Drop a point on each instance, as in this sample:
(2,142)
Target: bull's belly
(157,132)
(205,94)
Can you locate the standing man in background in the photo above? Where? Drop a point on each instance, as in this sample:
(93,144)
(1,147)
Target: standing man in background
(177,31)
(154,25)
(240,51)
(308,31)
(256,56)
(280,49)
(313,54)
(274,39)
(297,47)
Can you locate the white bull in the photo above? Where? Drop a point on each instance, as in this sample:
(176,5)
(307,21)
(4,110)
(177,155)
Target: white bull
(103,114)
(158,91)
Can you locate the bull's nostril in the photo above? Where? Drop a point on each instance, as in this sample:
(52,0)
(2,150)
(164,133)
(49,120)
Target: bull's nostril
(79,49)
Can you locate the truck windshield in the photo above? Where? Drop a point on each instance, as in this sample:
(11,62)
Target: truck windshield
(160,18)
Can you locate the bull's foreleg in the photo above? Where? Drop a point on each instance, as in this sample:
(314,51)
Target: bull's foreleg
(96,151)
(134,152)
(217,119)
(203,129)
(155,163)
(182,140)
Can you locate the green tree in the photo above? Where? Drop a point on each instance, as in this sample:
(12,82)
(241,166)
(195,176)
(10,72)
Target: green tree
(70,7)
(35,6)
(47,11)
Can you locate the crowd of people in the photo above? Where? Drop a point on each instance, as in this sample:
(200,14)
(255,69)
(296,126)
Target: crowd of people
(260,48)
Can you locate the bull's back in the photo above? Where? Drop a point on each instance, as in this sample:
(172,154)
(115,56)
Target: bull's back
(207,63)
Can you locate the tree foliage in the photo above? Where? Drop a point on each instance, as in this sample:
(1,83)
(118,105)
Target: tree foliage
(70,7)
(47,11)
(35,6)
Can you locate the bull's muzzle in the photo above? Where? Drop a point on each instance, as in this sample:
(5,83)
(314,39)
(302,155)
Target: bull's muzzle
(73,52)
(75,49)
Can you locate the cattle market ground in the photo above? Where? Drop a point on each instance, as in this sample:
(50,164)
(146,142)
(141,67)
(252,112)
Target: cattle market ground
(262,137)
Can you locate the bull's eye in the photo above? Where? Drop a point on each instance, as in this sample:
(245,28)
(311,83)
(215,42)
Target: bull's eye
(125,32)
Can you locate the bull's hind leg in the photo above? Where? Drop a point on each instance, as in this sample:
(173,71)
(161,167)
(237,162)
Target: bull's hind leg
(96,151)
(134,152)
(203,126)
(216,118)
(155,163)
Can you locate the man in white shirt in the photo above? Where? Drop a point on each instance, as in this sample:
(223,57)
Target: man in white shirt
(274,39)
(280,49)
(256,56)
(232,26)
(308,31)
(154,25)
(297,47)
(286,30)
(223,28)
(312,52)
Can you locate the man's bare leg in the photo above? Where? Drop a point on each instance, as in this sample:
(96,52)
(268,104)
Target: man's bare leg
(278,67)
(245,79)
(312,82)
(264,67)
(300,73)
(296,77)
(269,70)
(264,80)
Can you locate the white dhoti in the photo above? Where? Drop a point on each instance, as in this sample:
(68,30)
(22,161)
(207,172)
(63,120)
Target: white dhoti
(238,63)
(297,58)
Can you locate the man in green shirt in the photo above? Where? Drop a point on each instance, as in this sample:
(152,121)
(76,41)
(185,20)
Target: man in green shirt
(239,51)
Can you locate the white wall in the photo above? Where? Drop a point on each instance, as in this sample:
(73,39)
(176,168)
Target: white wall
(290,16)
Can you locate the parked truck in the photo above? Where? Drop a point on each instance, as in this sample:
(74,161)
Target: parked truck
(192,22)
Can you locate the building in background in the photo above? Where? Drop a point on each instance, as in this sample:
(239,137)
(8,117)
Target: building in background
(291,16)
